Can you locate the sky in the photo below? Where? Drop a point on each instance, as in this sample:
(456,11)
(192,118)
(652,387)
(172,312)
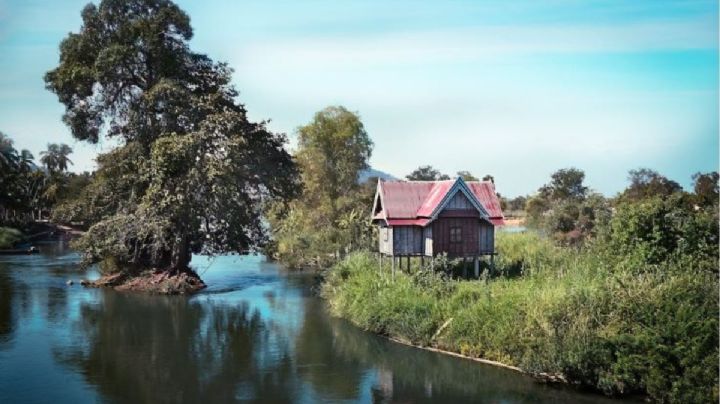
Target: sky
(516,89)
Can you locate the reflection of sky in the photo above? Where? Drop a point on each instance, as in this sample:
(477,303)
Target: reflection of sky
(251,280)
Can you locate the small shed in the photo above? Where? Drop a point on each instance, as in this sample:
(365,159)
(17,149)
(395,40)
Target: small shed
(427,218)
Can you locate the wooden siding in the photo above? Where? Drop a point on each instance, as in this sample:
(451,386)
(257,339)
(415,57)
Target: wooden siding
(385,235)
(428,239)
(486,237)
(407,240)
(459,201)
(470,232)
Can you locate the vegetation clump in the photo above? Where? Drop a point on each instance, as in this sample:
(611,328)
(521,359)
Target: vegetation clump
(631,310)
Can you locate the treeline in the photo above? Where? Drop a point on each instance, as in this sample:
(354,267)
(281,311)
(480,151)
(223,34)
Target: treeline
(30,189)
(569,212)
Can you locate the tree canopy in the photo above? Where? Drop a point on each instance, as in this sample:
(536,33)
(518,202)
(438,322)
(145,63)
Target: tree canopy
(426,173)
(466,176)
(645,183)
(191,172)
(330,217)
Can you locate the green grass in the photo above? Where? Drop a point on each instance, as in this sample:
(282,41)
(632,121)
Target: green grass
(9,236)
(582,314)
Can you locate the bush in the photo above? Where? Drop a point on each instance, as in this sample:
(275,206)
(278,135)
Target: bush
(9,236)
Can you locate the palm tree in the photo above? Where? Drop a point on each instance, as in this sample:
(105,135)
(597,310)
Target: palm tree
(8,154)
(63,159)
(55,158)
(25,161)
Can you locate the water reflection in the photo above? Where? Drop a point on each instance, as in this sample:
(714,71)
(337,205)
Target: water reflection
(257,335)
(6,309)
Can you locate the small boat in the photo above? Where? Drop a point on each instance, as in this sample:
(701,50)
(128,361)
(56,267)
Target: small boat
(20,251)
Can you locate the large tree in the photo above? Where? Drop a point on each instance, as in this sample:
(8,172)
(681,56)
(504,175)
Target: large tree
(191,171)
(330,217)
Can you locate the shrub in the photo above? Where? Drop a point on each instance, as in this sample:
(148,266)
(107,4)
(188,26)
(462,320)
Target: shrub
(9,236)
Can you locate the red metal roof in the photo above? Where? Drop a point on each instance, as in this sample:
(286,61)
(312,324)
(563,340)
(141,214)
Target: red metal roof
(408,222)
(408,202)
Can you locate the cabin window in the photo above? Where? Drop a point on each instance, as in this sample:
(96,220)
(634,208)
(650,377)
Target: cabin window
(456,234)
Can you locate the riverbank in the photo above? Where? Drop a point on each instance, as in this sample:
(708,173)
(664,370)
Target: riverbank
(582,316)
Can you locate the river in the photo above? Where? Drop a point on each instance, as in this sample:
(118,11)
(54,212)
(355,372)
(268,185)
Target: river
(256,334)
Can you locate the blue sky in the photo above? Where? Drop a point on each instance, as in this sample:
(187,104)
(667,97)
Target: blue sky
(516,89)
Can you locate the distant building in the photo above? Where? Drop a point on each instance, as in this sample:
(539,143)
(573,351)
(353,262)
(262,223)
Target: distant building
(427,218)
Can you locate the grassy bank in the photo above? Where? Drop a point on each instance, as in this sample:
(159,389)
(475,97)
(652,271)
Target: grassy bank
(609,322)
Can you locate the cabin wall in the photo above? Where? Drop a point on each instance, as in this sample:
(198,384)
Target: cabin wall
(407,240)
(428,240)
(486,237)
(469,244)
(385,237)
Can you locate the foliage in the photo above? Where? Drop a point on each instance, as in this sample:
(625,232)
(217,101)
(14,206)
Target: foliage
(191,172)
(586,315)
(55,158)
(706,188)
(329,219)
(646,183)
(426,173)
(9,236)
(467,176)
(26,191)
(565,208)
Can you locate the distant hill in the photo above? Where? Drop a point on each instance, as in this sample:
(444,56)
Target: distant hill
(371,172)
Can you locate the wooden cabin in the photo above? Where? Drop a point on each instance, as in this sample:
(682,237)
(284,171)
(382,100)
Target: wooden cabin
(427,218)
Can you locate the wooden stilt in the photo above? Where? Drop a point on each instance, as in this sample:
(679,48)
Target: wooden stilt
(393,267)
(408,264)
(465,269)
(381,261)
(422,261)
(492,264)
(477,267)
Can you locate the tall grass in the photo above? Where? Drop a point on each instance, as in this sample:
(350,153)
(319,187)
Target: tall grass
(583,315)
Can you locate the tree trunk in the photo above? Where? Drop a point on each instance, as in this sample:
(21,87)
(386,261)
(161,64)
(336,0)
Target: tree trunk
(181,254)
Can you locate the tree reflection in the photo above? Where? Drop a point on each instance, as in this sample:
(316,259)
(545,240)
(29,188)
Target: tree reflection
(6,309)
(335,378)
(170,349)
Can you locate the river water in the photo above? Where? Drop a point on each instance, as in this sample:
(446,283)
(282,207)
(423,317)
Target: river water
(256,334)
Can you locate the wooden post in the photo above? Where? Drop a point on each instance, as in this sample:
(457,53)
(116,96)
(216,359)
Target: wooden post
(393,267)
(477,267)
(381,260)
(408,264)
(465,270)
(422,261)
(492,263)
